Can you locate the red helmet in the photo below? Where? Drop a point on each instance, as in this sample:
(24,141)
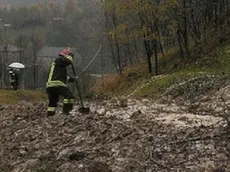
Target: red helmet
(66,52)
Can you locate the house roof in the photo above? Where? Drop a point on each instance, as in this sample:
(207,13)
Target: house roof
(9,48)
(52,52)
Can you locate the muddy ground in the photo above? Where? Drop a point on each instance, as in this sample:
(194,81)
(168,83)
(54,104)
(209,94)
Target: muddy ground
(125,135)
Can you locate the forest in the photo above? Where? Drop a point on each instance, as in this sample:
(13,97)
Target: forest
(130,32)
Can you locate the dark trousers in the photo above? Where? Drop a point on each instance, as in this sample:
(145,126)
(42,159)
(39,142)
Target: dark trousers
(14,81)
(53,95)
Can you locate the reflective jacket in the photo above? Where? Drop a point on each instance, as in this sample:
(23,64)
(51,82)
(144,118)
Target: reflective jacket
(58,73)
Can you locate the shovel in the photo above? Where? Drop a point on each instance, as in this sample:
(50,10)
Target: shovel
(82,109)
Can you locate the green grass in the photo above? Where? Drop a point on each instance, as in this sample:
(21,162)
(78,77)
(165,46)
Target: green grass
(12,97)
(159,85)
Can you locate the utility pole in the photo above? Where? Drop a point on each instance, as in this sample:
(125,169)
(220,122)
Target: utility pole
(20,48)
(5,62)
(4,55)
(34,62)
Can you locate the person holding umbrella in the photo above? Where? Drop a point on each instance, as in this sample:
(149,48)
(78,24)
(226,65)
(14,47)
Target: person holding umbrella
(14,71)
(14,78)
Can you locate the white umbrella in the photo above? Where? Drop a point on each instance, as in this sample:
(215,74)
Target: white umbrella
(17,65)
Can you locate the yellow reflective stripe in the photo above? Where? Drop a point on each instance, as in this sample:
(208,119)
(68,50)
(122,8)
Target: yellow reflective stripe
(55,84)
(68,101)
(71,100)
(70,58)
(51,109)
(51,72)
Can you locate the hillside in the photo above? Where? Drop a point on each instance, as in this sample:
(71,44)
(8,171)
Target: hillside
(174,71)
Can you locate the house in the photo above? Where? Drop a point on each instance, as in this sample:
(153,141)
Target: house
(10,53)
(9,47)
(48,54)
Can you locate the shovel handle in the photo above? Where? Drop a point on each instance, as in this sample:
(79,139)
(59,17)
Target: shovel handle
(77,85)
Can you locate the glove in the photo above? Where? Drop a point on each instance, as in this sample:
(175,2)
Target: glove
(71,79)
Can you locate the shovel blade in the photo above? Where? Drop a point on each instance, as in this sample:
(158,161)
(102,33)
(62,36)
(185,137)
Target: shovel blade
(84,110)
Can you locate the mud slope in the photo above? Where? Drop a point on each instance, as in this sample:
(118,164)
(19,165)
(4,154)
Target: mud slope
(135,136)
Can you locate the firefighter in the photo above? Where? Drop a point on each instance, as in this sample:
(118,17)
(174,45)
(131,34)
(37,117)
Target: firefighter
(56,83)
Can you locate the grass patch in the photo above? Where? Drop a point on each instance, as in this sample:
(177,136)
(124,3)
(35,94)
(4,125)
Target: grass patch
(12,97)
(159,85)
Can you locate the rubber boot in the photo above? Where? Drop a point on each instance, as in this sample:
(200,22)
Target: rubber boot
(67,108)
(50,113)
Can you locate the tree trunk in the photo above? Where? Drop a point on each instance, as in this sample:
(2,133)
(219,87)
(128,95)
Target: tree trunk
(159,37)
(118,57)
(149,54)
(129,53)
(113,55)
(116,43)
(185,29)
(110,43)
(102,67)
(147,46)
(180,43)
(156,57)
(136,50)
